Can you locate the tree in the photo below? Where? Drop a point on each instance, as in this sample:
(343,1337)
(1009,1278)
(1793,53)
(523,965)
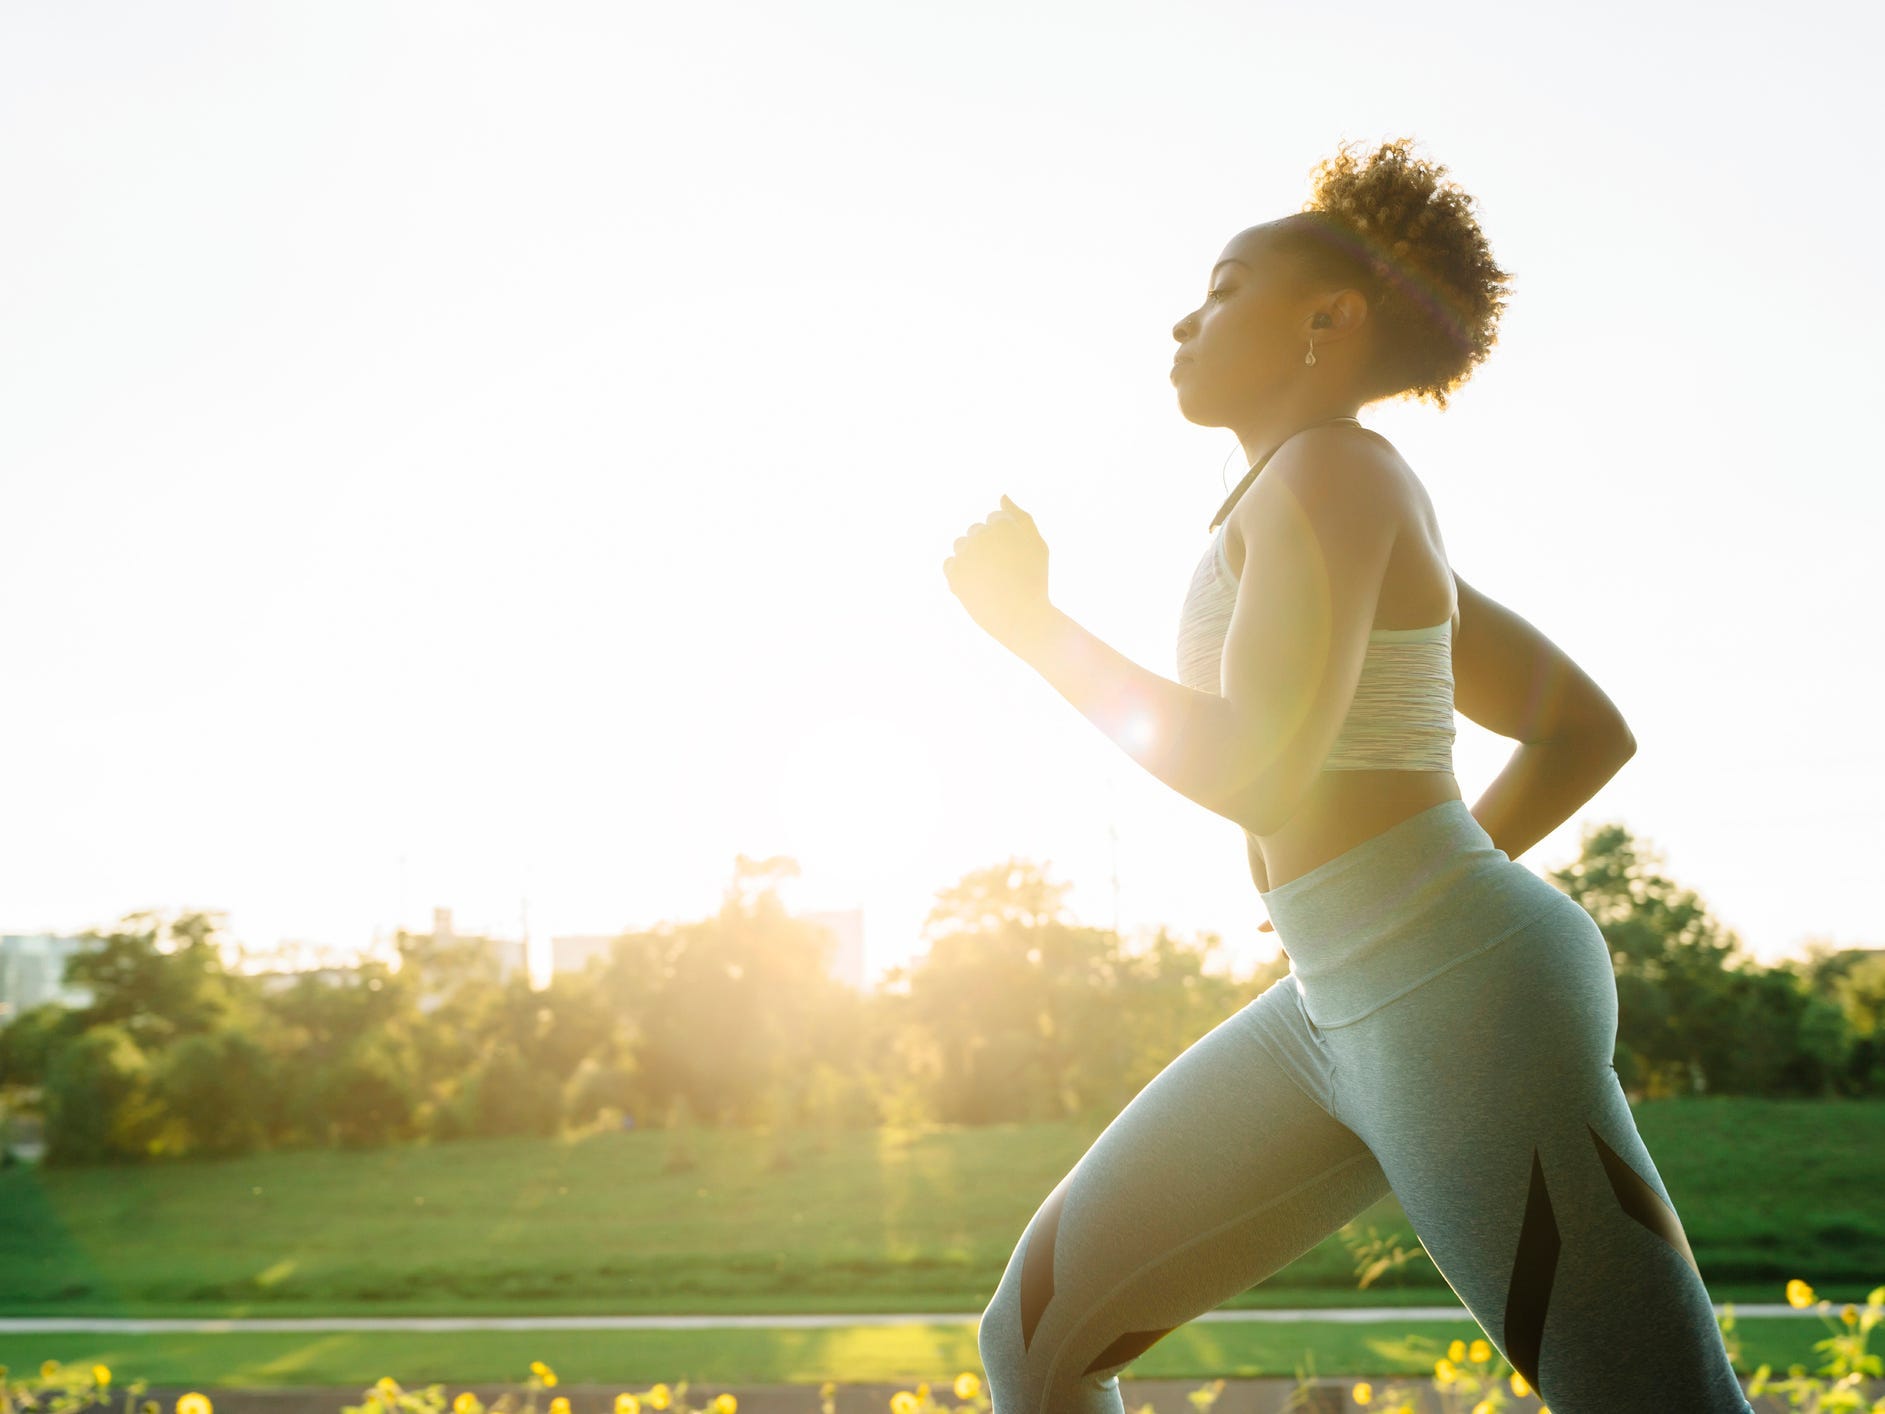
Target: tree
(1015,1013)
(1694,1011)
(158,978)
(1015,891)
(1853,979)
(220,1087)
(506,1094)
(29,1040)
(367,1095)
(98,1099)
(714,1010)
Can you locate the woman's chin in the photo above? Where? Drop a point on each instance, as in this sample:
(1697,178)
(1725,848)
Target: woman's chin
(1191,411)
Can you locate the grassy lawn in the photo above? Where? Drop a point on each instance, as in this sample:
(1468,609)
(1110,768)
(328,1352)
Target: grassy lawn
(881,1221)
(716,1358)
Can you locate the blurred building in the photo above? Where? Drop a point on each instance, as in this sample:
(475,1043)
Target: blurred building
(32,971)
(846,925)
(572,952)
(445,958)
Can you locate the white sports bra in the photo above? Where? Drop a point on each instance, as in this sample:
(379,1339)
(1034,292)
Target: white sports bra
(1401,718)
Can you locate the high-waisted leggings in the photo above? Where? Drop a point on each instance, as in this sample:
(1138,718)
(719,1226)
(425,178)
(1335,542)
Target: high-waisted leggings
(1445,1032)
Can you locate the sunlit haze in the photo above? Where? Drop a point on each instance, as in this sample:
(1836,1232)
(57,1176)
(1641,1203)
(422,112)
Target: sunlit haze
(502,458)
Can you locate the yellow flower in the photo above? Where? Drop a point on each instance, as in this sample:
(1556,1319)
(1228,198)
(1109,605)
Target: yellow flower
(194,1403)
(903,1402)
(658,1397)
(1443,1371)
(1456,1352)
(559,1405)
(549,1378)
(626,1403)
(827,1389)
(1799,1294)
(387,1385)
(466,1403)
(103,1376)
(1363,1392)
(1520,1386)
(49,1369)
(1479,1352)
(1483,1407)
(725,1404)
(968,1385)
(922,1393)
(1849,1314)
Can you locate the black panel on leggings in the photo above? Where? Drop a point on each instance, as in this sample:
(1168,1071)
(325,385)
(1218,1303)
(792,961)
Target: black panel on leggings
(1037,1265)
(1532,1273)
(1641,1201)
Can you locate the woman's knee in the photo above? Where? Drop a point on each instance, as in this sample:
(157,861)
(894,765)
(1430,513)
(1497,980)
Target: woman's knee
(1017,1372)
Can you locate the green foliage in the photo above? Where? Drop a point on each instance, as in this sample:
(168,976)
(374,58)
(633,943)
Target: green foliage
(1012,1014)
(600,1091)
(219,1086)
(366,1096)
(27,1043)
(98,1099)
(506,1094)
(1694,1012)
(67,1389)
(157,979)
(1839,1383)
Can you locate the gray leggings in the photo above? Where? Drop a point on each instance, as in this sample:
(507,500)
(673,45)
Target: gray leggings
(1445,1032)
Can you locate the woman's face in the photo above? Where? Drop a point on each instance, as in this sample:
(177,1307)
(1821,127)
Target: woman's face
(1246,341)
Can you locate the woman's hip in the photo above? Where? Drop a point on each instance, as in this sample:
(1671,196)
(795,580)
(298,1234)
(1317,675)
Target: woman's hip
(1399,910)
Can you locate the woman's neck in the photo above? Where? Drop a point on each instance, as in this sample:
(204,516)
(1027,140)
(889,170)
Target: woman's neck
(1263,435)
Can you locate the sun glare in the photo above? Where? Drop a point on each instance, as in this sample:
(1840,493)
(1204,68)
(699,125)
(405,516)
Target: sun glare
(859,799)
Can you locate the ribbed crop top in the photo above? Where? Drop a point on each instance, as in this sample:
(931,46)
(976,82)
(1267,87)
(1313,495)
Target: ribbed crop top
(1402,715)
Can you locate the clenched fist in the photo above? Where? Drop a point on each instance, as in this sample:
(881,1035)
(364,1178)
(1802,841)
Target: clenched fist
(999,572)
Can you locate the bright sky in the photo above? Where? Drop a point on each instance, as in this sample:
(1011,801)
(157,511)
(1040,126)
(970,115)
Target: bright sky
(454,454)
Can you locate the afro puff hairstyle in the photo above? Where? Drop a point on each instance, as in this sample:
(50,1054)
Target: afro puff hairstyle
(1387,225)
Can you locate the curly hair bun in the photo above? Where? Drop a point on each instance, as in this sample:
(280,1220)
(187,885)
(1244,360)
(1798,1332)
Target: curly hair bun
(1387,224)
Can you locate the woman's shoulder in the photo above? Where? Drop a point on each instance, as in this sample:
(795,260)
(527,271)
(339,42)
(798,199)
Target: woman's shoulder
(1344,468)
(1353,467)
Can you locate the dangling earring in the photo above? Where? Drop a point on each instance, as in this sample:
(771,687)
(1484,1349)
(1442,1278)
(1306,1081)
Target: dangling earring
(1310,357)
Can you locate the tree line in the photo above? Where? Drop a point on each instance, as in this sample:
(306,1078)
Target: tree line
(1014,1013)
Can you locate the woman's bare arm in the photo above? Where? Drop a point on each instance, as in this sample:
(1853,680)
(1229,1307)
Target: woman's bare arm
(1512,680)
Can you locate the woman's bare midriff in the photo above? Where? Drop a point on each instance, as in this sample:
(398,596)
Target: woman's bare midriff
(1344,808)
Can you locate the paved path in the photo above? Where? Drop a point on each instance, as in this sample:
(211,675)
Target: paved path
(109,1325)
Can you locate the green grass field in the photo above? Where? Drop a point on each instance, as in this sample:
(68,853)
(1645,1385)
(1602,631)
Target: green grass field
(883,1221)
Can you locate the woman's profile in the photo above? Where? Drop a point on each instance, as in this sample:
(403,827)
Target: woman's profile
(1447,1025)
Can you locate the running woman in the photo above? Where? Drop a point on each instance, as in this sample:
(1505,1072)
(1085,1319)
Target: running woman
(1447,1025)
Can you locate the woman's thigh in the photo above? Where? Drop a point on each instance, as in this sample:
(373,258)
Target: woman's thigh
(1488,1096)
(1221,1171)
